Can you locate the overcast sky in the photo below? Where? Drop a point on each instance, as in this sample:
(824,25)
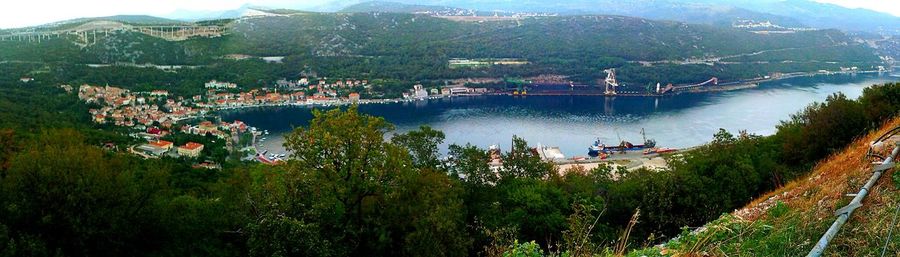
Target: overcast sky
(21,13)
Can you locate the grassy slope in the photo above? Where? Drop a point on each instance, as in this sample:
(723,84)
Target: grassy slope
(788,221)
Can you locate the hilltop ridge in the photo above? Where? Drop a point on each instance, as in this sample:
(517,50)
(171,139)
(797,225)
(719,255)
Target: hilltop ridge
(416,47)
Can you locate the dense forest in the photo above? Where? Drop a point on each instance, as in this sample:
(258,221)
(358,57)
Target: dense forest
(412,48)
(354,187)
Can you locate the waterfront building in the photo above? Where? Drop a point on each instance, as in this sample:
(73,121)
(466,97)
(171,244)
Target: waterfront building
(298,97)
(419,91)
(236,126)
(459,90)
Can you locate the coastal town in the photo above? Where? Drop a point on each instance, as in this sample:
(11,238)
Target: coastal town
(155,115)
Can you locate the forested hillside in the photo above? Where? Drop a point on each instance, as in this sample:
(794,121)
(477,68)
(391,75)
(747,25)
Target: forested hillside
(413,47)
(566,37)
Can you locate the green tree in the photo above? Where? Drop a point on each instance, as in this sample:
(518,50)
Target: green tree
(427,215)
(536,208)
(821,129)
(348,191)
(422,145)
(8,146)
(470,164)
(881,101)
(522,162)
(79,201)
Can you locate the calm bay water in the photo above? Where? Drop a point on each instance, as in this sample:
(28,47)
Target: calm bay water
(573,122)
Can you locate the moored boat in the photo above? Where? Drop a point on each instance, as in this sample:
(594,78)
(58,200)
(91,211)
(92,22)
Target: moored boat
(655,150)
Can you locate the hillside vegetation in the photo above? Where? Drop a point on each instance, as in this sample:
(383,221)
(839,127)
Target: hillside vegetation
(790,220)
(413,47)
(416,47)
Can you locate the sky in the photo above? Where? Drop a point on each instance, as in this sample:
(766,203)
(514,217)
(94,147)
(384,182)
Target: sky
(886,6)
(22,13)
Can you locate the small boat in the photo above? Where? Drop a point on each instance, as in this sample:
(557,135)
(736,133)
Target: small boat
(659,150)
(262,158)
(666,150)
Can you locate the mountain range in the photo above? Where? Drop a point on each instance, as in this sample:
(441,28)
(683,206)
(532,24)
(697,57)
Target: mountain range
(415,42)
(782,13)
(789,13)
(415,47)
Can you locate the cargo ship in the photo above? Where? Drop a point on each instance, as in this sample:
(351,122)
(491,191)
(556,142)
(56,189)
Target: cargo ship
(599,148)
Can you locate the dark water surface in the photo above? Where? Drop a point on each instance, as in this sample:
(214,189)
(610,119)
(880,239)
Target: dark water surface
(573,122)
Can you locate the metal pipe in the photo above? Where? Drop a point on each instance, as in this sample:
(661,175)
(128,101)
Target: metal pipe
(845,212)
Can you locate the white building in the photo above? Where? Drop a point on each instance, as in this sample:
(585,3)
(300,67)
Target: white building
(220,85)
(419,91)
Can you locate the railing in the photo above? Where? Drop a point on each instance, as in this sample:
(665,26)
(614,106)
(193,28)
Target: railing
(843,214)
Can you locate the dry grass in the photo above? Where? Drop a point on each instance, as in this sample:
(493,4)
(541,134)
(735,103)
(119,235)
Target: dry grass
(788,221)
(839,174)
(813,200)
